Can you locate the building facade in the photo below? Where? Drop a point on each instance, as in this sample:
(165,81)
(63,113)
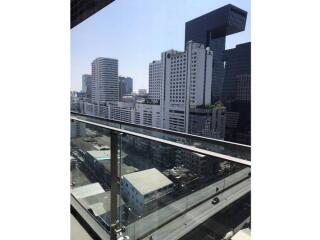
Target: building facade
(243,87)
(211,30)
(237,72)
(125,86)
(86,85)
(155,75)
(208,122)
(142,190)
(186,83)
(130,112)
(236,93)
(105,86)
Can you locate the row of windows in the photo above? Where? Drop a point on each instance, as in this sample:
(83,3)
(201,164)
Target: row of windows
(173,89)
(177,84)
(174,68)
(178,57)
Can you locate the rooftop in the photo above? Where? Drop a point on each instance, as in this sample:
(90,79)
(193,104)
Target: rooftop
(101,148)
(244,234)
(148,180)
(104,157)
(100,155)
(99,203)
(87,190)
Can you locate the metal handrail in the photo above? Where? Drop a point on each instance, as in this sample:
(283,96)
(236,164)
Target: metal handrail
(96,227)
(167,142)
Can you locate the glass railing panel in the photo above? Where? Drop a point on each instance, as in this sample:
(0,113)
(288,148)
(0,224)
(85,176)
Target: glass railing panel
(231,149)
(225,223)
(165,183)
(159,184)
(90,167)
(96,119)
(227,148)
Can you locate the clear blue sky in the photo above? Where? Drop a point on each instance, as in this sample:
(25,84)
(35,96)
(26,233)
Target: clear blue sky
(136,32)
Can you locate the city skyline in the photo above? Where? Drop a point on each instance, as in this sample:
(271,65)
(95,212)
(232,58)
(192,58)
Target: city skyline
(184,85)
(199,92)
(139,50)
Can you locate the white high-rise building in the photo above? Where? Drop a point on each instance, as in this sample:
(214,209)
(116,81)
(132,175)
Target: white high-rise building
(105,85)
(155,75)
(185,83)
(147,114)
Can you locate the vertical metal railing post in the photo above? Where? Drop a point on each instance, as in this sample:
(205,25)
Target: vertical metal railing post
(114,184)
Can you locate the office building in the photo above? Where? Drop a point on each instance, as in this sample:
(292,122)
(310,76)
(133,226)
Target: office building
(105,86)
(238,122)
(187,78)
(147,114)
(86,85)
(143,189)
(231,70)
(155,74)
(211,30)
(125,86)
(237,73)
(236,93)
(243,87)
(130,112)
(200,164)
(208,122)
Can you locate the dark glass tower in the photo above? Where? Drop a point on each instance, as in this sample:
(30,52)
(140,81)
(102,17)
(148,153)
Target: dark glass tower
(236,93)
(211,30)
(238,64)
(125,86)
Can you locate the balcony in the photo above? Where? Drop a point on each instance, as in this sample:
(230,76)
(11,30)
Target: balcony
(136,182)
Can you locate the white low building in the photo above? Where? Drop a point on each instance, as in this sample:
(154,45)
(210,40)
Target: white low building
(139,113)
(142,189)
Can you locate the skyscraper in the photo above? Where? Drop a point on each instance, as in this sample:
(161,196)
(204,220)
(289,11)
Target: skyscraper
(236,93)
(105,86)
(238,66)
(211,30)
(155,81)
(125,86)
(186,83)
(86,84)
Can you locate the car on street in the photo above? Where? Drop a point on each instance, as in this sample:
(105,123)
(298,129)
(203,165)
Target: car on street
(215,201)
